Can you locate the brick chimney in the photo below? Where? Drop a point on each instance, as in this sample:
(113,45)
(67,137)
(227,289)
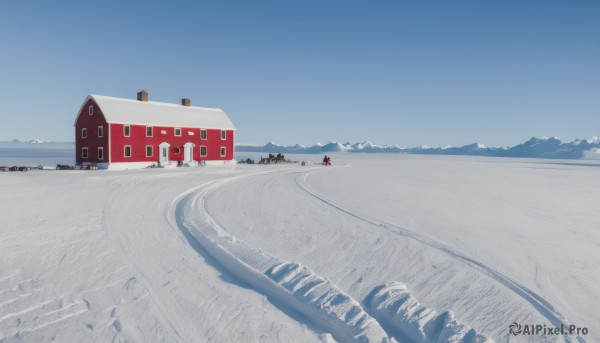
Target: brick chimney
(142,95)
(185,102)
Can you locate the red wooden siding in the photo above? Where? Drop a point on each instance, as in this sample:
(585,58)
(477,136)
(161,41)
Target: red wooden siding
(138,142)
(92,142)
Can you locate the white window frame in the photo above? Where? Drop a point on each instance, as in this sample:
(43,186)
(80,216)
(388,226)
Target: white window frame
(203,134)
(125,151)
(223,151)
(205,151)
(91,110)
(100,131)
(101,149)
(84,132)
(125,133)
(85,152)
(151,131)
(175,131)
(151,151)
(223,135)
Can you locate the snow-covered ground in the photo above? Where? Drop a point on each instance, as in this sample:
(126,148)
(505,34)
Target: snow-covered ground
(375,248)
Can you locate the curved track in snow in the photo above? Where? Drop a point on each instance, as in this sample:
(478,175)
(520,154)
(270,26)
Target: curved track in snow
(298,288)
(295,286)
(539,303)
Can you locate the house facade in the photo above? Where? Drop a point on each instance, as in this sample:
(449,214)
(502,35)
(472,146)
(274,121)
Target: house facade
(116,133)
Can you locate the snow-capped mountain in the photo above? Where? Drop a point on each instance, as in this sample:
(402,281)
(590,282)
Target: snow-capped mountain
(535,147)
(32,141)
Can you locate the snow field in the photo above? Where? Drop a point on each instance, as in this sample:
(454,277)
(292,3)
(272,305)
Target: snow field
(201,254)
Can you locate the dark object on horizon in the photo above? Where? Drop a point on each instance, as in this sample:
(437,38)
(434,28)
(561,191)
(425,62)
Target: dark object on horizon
(280,158)
(64,167)
(15,168)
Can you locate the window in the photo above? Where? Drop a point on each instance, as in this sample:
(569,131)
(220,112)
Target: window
(127,152)
(100,131)
(84,133)
(177,132)
(100,153)
(91,109)
(223,151)
(202,151)
(84,152)
(223,135)
(148,131)
(126,131)
(148,150)
(203,134)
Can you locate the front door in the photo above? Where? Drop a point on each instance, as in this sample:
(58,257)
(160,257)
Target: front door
(163,149)
(188,152)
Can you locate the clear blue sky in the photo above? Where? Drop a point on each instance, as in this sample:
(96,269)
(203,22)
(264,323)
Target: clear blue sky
(392,72)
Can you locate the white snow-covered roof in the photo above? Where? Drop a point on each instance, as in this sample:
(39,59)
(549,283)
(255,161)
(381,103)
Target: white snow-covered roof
(152,113)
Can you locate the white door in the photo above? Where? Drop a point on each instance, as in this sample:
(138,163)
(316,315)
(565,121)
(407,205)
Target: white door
(163,149)
(188,152)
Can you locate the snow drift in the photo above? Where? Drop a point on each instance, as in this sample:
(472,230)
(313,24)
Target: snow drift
(403,316)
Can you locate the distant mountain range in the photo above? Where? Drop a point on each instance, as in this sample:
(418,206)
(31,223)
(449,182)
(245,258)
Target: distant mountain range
(535,147)
(33,141)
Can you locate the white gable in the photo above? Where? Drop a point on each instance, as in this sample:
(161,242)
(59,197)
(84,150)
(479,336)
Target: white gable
(152,113)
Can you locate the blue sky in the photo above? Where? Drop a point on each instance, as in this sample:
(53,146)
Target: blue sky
(392,72)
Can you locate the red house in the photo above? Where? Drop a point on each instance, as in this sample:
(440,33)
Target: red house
(116,133)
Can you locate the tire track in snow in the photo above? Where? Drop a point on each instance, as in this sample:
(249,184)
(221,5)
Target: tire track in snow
(29,320)
(543,306)
(293,285)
